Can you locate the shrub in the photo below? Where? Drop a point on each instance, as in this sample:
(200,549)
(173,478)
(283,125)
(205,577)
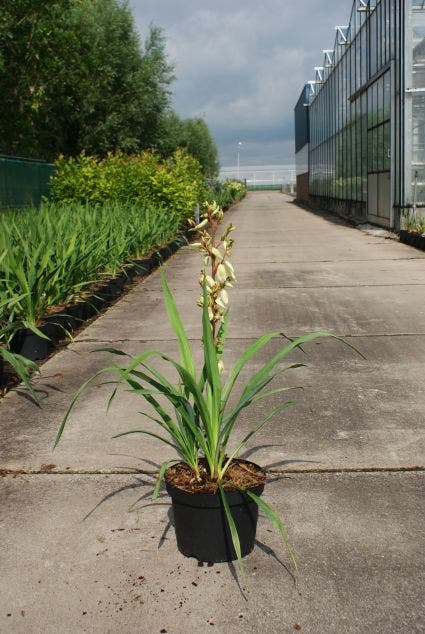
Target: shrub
(176,183)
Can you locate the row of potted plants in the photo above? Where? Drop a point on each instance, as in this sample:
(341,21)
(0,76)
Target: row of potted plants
(50,285)
(412,231)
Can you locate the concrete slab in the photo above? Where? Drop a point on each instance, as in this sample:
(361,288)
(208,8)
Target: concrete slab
(272,275)
(75,560)
(353,413)
(344,310)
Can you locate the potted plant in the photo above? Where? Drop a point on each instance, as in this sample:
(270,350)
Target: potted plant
(215,494)
(17,362)
(413,231)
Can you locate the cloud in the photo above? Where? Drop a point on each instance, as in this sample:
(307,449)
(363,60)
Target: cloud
(242,64)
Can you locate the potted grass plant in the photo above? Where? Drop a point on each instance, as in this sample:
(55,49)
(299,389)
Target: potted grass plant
(18,363)
(412,231)
(215,494)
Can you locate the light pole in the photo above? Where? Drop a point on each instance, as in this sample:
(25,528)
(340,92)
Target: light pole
(239,147)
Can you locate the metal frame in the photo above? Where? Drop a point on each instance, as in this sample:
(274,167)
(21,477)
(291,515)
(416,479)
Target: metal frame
(370,65)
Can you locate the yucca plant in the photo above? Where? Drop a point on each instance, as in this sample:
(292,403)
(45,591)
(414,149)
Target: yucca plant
(198,419)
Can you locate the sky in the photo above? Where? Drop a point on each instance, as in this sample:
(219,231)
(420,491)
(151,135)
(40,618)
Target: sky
(241,65)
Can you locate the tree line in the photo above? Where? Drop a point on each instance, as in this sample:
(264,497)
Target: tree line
(75,76)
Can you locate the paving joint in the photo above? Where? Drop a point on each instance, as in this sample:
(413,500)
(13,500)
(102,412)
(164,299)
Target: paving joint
(292,336)
(107,472)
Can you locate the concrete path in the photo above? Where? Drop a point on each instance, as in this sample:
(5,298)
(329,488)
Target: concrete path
(348,462)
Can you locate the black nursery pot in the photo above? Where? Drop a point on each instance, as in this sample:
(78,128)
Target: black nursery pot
(26,343)
(201,527)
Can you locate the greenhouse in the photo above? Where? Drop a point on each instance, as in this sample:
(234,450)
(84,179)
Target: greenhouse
(360,123)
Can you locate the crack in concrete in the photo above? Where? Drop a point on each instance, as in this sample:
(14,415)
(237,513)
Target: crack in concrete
(134,471)
(373,260)
(292,336)
(299,287)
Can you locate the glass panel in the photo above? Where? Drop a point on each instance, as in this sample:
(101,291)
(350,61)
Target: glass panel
(387,95)
(418,103)
(387,146)
(380,149)
(373,44)
(380,100)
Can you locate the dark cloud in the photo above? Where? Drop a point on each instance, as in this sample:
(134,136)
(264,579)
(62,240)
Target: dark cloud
(242,64)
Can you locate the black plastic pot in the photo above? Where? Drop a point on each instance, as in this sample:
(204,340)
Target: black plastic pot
(33,347)
(413,238)
(142,266)
(201,527)
(114,287)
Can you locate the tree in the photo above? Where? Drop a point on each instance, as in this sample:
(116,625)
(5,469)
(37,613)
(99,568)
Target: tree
(192,135)
(76,77)
(27,30)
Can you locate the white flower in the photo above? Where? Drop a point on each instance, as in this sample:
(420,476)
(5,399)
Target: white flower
(230,271)
(216,253)
(221,274)
(220,365)
(222,300)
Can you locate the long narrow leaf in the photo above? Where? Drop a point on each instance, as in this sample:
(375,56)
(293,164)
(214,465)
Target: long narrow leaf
(163,468)
(74,399)
(232,527)
(147,433)
(274,519)
(177,325)
(255,429)
(247,355)
(21,365)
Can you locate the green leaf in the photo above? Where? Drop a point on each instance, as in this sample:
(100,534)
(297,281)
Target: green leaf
(274,519)
(147,433)
(177,325)
(21,365)
(111,351)
(247,355)
(159,479)
(232,527)
(74,399)
(254,430)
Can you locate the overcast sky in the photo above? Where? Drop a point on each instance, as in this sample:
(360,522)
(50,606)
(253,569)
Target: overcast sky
(242,64)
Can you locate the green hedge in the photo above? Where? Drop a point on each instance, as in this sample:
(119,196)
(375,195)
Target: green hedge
(176,183)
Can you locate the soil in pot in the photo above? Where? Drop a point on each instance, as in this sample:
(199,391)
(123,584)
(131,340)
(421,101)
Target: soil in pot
(200,522)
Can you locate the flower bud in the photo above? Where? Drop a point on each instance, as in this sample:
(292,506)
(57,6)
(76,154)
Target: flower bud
(221,274)
(230,271)
(216,253)
(202,224)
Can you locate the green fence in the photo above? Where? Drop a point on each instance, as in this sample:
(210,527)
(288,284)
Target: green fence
(23,181)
